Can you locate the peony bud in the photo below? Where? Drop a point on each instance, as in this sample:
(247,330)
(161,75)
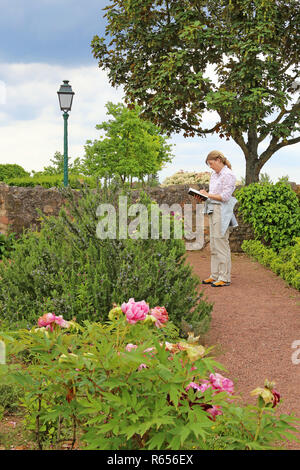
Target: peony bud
(195,352)
(265,393)
(115,313)
(70,358)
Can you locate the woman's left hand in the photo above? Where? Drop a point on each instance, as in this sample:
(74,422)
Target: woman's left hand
(205,193)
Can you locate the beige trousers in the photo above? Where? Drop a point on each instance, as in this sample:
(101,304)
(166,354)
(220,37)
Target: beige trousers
(219,248)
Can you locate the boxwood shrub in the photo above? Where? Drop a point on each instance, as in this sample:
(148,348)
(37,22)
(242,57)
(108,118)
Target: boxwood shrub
(285,264)
(272,210)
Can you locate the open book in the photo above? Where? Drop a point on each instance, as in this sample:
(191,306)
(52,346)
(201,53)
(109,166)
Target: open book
(194,192)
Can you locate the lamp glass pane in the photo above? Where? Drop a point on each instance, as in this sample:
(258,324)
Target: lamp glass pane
(65,100)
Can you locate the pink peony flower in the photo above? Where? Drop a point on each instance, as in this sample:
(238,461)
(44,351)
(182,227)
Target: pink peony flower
(204,386)
(49,319)
(142,366)
(61,322)
(125,307)
(221,383)
(150,352)
(135,311)
(130,346)
(161,315)
(149,349)
(46,319)
(200,387)
(193,385)
(215,411)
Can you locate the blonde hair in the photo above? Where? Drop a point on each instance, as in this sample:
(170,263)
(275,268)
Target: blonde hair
(214,154)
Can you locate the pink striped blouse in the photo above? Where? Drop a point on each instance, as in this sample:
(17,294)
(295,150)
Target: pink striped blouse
(222,183)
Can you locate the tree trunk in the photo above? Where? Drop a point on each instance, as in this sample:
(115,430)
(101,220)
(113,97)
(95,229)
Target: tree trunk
(252,160)
(252,169)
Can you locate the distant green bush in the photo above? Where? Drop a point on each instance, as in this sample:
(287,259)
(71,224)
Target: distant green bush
(51,181)
(9,170)
(272,210)
(285,264)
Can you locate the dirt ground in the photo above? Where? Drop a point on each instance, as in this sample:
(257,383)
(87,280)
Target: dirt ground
(255,321)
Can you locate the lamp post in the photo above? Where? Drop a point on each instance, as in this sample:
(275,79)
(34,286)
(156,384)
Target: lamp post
(65,96)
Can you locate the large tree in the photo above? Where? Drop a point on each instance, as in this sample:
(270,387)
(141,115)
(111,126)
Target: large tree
(159,51)
(131,146)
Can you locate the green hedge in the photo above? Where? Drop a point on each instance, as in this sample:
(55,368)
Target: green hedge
(285,264)
(272,210)
(51,181)
(12,170)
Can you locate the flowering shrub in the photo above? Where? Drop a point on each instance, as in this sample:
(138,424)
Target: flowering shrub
(186,177)
(122,385)
(189,177)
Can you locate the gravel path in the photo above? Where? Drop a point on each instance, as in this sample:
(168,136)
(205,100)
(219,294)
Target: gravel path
(255,320)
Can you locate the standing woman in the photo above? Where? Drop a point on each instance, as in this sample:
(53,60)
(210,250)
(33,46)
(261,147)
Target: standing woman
(220,206)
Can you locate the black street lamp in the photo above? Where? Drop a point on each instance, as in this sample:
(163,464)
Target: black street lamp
(65,96)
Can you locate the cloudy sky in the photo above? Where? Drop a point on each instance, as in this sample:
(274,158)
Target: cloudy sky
(42,43)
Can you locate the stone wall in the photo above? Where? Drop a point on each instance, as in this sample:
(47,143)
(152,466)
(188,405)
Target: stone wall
(18,208)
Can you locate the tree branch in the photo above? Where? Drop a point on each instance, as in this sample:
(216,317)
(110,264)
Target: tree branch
(280,115)
(267,154)
(295,108)
(239,139)
(168,12)
(288,66)
(287,142)
(188,127)
(274,147)
(237,136)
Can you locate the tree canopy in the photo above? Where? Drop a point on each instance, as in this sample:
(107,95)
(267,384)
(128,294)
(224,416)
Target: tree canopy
(160,50)
(131,147)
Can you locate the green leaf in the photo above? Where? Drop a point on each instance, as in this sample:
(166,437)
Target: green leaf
(157,441)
